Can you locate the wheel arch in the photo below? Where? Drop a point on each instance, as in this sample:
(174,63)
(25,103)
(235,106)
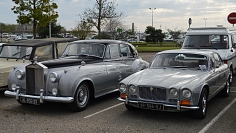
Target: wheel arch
(87,81)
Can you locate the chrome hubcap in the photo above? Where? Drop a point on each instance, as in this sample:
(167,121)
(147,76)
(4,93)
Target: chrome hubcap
(82,95)
(204,103)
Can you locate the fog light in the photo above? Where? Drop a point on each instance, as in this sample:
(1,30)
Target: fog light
(54,91)
(13,87)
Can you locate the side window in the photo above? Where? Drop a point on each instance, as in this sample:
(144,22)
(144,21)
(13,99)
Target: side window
(212,62)
(114,50)
(44,53)
(124,50)
(107,53)
(60,48)
(234,39)
(218,61)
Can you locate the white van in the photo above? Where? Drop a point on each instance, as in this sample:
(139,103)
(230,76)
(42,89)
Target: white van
(220,39)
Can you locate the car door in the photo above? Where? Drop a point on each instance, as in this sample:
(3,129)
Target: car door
(128,59)
(214,76)
(114,66)
(221,71)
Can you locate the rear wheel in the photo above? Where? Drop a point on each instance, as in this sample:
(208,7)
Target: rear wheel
(226,91)
(201,112)
(81,98)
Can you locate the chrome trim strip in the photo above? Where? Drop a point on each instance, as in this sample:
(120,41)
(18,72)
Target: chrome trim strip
(44,98)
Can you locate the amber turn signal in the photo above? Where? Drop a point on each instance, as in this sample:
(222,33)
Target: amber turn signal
(185,102)
(123,95)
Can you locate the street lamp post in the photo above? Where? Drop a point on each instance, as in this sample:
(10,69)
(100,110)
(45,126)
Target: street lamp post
(205,21)
(152,14)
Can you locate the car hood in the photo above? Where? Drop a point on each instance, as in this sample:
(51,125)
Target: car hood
(167,77)
(64,62)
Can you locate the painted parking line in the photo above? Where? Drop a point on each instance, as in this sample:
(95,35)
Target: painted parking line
(205,129)
(103,110)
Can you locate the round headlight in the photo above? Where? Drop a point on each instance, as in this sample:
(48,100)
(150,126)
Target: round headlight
(53,77)
(186,93)
(122,88)
(173,92)
(19,74)
(132,88)
(54,91)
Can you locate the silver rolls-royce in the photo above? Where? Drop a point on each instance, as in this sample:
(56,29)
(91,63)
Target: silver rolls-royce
(177,80)
(88,68)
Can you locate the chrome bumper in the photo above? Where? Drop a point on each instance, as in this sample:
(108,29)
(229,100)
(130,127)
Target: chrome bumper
(41,97)
(177,106)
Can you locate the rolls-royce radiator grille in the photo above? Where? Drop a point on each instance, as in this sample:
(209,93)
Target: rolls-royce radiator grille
(34,79)
(152,93)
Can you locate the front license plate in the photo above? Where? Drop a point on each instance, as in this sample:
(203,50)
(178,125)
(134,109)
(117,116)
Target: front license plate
(29,100)
(151,106)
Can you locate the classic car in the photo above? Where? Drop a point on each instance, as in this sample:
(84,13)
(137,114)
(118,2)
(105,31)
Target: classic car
(88,69)
(177,80)
(22,52)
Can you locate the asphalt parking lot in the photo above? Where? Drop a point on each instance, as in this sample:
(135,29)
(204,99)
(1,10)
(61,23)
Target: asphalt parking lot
(107,115)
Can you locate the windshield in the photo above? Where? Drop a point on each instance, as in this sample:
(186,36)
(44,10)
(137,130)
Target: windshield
(89,49)
(16,52)
(180,60)
(206,42)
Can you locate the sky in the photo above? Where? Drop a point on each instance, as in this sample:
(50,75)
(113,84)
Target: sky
(168,14)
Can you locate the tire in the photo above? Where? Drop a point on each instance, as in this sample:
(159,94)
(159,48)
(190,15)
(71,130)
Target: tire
(81,98)
(128,107)
(230,76)
(226,91)
(201,112)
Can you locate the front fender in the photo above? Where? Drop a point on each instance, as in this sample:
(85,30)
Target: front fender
(70,81)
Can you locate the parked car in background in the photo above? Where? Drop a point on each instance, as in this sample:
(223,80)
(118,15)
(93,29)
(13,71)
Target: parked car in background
(219,39)
(24,51)
(89,68)
(177,80)
(180,41)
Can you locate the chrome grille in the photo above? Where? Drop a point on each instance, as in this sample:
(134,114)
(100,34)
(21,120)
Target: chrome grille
(34,79)
(152,93)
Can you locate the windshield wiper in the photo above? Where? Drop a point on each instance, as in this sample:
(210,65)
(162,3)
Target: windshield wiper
(208,46)
(15,53)
(191,46)
(25,55)
(179,66)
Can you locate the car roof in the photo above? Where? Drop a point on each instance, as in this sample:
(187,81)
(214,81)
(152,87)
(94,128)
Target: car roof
(104,41)
(39,42)
(190,51)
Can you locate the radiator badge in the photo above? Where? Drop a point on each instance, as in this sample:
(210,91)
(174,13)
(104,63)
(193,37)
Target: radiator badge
(151,89)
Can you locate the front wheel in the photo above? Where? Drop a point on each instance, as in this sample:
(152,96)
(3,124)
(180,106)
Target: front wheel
(81,98)
(201,112)
(226,91)
(231,76)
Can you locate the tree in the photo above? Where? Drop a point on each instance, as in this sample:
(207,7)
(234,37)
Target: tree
(36,12)
(83,30)
(115,27)
(174,33)
(154,35)
(101,12)
(43,31)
